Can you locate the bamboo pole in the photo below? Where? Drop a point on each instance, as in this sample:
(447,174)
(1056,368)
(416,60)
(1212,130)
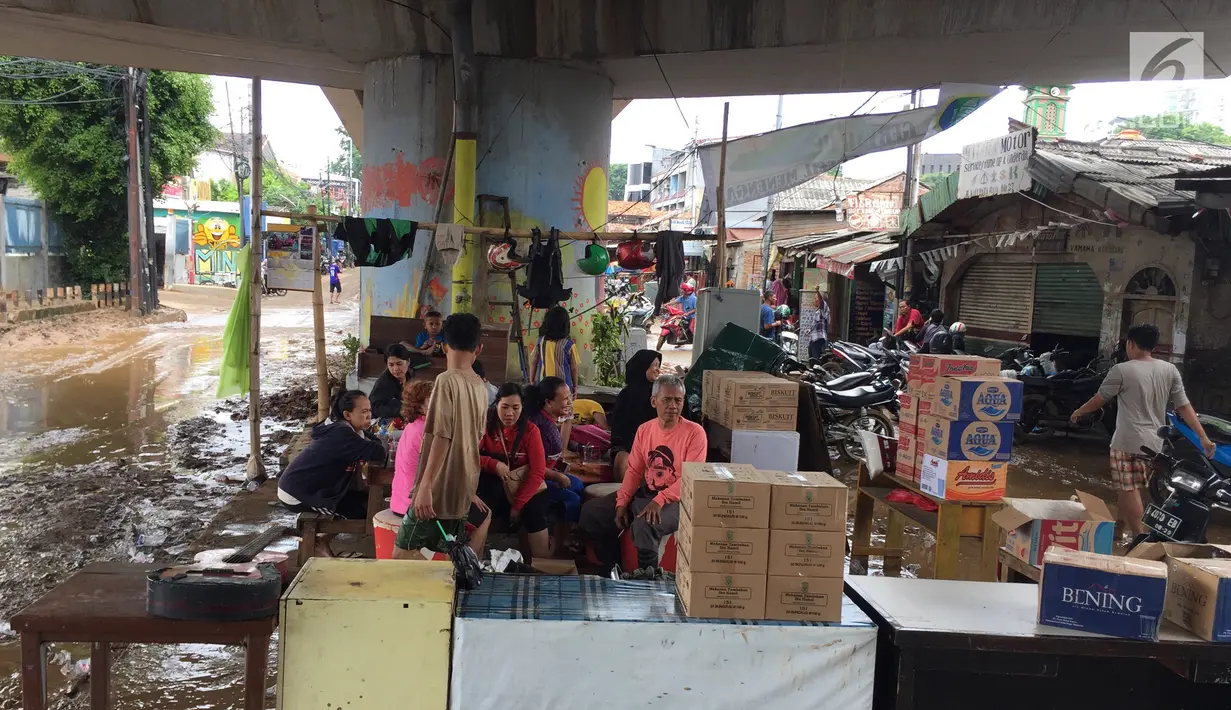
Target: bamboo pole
(720,273)
(255,469)
(496,232)
(318,326)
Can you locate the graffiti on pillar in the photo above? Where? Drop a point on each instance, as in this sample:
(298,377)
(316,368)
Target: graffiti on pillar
(590,199)
(216,243)
(398,182)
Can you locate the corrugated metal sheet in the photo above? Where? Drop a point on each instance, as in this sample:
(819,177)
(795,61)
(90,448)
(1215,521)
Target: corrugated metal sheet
(792,225)
(819,193)
(997,297)
(1068,300)
(942,194)
(858,250)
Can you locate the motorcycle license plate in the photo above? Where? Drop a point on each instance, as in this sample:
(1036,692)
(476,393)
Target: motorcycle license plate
(1161,522)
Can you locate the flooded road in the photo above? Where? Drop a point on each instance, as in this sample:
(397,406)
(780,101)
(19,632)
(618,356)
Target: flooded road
(114,448)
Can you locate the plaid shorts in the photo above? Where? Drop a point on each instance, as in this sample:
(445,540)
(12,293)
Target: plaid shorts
(1128,471)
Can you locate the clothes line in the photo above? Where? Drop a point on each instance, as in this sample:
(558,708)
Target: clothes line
(499,232)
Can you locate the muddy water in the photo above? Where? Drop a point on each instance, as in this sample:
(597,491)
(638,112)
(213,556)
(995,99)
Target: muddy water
(94,465)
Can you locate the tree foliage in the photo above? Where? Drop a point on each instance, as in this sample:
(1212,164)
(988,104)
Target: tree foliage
(64,125)
(223,190)
(1173,126)
(340,165)
(279,189)
(617,180)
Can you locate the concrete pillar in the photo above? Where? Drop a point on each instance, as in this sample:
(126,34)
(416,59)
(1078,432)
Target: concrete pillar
(544,137)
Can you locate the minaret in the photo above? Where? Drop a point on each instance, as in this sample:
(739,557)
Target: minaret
(1046,109)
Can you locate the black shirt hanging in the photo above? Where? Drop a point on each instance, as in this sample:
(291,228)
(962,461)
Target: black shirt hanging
(544,285)
(377,242)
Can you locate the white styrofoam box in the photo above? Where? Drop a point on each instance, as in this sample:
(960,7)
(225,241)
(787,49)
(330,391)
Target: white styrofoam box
(766,450)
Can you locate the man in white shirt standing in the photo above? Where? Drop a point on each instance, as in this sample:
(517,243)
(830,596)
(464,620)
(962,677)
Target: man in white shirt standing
(1142,387)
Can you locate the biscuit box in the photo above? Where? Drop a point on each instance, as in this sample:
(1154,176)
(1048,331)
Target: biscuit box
(807,500)
(795,598)
(805,553)
(966,441)
(929,368)
(723,550)
(1102,594)
(731,495)
(990,399)
(1198,586)
(762,390)
(962,480)
(1032,525)
(719,596)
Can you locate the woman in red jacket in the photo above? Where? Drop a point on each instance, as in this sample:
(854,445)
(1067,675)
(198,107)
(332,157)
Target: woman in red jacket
(512,449)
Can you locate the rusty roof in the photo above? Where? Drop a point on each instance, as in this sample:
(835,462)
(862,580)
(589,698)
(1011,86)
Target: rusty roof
(820,193)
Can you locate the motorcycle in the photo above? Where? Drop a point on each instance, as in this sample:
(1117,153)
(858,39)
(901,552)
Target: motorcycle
(674,328)
(640,313)
(845,412)
(1196,487)
(1049,400)
(1186,445)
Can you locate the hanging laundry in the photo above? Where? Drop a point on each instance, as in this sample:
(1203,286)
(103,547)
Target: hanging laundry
(377,242)
(450,238)
(544,285)
(668,266)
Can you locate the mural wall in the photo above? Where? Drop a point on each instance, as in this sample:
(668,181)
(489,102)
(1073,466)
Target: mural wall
(215,243)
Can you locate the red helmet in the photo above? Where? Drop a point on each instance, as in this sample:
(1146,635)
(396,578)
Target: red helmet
(686,288)
(635,254)
(503,256)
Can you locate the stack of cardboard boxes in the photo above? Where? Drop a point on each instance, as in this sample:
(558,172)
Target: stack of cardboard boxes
(749,400)
(758,544)
(956,426)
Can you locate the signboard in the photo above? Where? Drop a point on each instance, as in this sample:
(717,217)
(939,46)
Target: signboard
(874,211)
(867,307)
(1000,166)
(759,166)
(290,257)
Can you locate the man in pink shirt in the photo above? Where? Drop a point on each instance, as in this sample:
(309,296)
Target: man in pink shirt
(648,502)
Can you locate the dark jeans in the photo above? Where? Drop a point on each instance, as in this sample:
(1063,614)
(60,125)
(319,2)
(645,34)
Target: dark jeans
(599,526)
(817,348)
(569,498)
(353,506)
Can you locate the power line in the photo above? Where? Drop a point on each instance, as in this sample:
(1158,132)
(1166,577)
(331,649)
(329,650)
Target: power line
(491,146)
(1190,36)
(650,46)
(424,15)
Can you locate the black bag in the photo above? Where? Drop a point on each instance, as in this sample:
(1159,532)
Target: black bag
(544,285)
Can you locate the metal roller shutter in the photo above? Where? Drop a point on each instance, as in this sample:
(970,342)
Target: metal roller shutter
(1068,300)
(995,299)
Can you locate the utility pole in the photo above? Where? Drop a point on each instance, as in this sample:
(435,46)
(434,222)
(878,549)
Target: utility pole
(149,300)
(720,250)
(914,155)
(767,236)
(134,190)
(255,470)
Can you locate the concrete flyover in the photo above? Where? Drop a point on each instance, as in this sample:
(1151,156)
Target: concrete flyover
(707,47)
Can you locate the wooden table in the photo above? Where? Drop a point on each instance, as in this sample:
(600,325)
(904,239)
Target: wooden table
(1013,569)
(953,521)
(946,644)
(379,480)
(104,604)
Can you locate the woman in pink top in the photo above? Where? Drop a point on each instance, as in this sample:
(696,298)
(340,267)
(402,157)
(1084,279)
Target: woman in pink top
(414,408)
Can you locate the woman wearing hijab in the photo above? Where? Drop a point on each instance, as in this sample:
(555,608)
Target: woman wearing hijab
(632,407)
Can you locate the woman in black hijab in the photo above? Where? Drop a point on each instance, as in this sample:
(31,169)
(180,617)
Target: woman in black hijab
(632,407)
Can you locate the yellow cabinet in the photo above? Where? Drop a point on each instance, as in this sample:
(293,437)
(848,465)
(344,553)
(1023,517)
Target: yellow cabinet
(358,634)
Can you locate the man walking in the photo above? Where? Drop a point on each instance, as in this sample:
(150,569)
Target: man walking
(1142,386)
(648,502)
(818,341)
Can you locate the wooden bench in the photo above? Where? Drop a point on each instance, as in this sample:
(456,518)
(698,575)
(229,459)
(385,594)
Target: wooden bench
(387,330)
(309,525)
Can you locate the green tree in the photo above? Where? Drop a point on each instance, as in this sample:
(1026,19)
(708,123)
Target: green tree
(1173,126)
(64,123)
(339,165)
(279,189)
(223,191)
(617,180)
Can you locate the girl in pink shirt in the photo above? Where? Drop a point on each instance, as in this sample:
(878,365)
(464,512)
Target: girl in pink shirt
(414,408)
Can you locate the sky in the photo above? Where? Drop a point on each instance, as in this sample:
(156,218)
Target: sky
(301,123)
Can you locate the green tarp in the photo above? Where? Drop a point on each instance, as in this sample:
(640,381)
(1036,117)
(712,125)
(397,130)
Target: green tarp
(734,348)
(236,339)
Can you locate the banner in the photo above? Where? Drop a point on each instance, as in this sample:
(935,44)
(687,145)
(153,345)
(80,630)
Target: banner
(759,166)
(1000,166)
(290,263)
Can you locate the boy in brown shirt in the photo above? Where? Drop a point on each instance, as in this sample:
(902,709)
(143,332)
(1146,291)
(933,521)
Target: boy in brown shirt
(448,473)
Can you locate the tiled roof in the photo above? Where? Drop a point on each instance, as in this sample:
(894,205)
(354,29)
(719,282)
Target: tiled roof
(627,208)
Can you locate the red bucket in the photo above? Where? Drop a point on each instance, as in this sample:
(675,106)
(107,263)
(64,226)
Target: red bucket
(385,525)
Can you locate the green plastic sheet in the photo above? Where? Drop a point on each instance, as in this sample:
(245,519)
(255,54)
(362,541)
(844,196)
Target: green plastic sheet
(734,348)
(236,338)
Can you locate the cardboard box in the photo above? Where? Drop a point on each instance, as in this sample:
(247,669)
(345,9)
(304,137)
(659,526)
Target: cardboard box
(1198,586)
(962,480)
(803,553)
(910,408)
(728,495)
(711,387)
(758,418)
(758,390)
(990,399)
(908,457)
(767,450)
(807,500)
(1102,594)
(723,550)
(796,598)
(709,595)
(1032,525)
(966,441)
(929,368)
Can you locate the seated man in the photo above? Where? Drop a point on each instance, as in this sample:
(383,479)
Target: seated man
(648,502)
